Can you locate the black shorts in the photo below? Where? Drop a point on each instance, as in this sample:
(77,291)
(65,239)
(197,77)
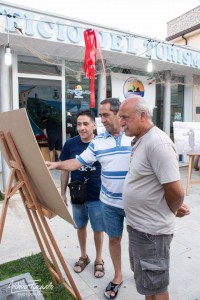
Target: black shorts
(55,142)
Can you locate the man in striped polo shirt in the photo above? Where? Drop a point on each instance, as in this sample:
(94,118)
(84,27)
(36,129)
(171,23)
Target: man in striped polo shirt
(112,149)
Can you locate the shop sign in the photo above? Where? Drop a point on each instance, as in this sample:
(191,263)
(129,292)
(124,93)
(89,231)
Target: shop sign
(52,28)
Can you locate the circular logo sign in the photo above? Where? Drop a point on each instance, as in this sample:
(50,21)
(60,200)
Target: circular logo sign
(78,91)
(133,86)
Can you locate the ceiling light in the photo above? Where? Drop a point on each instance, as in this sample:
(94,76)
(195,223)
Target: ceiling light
(8,56)
(150,66)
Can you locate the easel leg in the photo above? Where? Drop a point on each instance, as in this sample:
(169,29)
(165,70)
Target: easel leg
(191,161)
(41,225)
(3,215)
(74,291)
(57,250)
(39,242)
(6,200)
(36,215)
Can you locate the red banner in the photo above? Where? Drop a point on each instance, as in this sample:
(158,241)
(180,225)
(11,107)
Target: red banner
(91,46)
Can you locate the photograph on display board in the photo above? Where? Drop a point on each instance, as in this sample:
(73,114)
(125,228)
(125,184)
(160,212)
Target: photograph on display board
(187,137)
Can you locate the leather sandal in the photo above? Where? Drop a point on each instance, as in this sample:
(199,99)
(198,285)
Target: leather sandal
(99,267)
(114,288)
(82,263)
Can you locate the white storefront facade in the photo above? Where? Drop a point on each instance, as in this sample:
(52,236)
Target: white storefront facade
(46,75)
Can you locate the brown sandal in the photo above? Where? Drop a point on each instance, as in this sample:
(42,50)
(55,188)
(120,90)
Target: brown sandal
(82,263)
(99,267)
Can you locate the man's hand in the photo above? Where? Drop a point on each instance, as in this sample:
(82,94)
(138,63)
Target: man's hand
(51,165)
(183,211)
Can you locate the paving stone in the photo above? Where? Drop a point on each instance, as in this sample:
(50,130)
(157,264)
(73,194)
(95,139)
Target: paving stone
(19,241)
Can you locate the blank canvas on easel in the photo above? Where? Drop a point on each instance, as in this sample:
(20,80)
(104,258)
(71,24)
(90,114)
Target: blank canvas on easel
(17,123)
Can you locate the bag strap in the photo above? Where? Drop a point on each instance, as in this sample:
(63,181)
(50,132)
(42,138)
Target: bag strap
(87,175)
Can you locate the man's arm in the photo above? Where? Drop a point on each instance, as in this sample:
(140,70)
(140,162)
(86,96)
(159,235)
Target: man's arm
(64,178)
(68,165)
(174,195)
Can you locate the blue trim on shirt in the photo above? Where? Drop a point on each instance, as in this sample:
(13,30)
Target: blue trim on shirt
(83,162)
(114,155)
(113,151)
(114,196)
(114,174)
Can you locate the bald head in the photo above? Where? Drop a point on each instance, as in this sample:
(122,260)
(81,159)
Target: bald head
(139,104)
(135,116)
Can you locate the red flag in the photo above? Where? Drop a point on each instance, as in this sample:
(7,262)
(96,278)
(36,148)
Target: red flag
(91,45)
(89,61)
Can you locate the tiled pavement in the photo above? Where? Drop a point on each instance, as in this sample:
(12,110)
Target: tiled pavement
(19,241)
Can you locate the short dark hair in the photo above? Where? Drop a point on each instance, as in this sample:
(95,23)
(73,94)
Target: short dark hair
(114,104)
(86,112)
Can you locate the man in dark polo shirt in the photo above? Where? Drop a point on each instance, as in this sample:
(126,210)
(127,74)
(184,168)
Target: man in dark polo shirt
(92,208)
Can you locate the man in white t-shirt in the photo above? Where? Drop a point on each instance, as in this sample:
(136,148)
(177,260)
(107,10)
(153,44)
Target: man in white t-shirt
(152,196)
(112,149)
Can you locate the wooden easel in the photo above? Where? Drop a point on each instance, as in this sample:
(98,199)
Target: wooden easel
(19,181)
(190,167)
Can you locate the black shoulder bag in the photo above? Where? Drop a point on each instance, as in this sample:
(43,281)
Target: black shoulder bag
(78,189)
